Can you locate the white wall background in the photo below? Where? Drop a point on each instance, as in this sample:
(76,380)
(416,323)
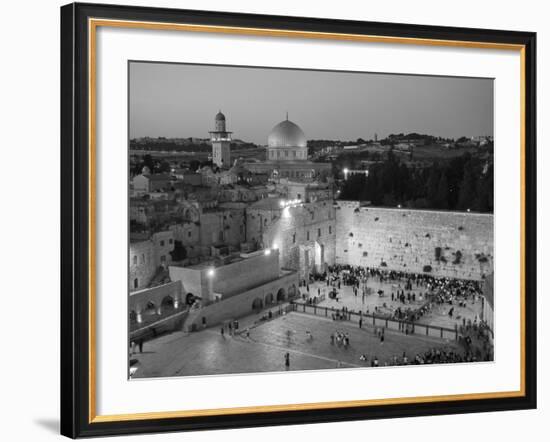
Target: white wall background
(29,246)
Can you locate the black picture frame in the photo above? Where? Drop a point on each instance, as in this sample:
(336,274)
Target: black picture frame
(76,418)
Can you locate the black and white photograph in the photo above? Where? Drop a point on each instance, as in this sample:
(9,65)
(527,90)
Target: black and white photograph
(287,219)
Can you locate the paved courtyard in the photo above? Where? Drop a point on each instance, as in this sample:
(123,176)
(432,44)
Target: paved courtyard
(208,352)
(437,317)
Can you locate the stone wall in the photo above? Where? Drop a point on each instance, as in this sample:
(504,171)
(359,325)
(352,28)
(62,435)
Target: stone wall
(406,240)
(193,281)
(142,264)
(304,234)
(244,303)
(204,228)
(230,279)
(147,256)
(138,300)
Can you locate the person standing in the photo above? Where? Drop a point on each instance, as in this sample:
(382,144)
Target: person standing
(287,360)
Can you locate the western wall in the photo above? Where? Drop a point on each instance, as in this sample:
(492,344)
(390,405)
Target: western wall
(441,243)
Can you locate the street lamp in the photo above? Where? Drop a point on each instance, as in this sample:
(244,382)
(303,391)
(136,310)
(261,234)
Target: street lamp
(211,273)
(267,252)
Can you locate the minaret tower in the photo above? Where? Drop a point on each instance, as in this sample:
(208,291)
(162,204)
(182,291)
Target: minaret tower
(221,141)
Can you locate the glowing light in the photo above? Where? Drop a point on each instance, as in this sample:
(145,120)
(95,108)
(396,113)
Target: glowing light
(290,203)
(346,170)
(468,210)
(399,206)
(211,273)
(267,252)
(275,246)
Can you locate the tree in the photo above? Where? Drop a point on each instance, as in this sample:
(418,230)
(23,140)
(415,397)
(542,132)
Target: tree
(442,194)
(467,192)
(432,185)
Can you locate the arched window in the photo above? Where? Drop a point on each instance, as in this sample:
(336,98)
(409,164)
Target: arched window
(136,283)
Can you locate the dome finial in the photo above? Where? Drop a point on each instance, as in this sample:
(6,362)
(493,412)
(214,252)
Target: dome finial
(286,115)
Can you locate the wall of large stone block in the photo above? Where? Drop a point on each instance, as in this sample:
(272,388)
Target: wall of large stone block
(406,240)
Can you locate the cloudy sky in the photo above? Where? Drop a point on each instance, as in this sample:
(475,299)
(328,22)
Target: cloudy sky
(178,100)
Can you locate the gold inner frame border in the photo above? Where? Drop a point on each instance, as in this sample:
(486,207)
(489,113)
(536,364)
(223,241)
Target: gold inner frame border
(93,24)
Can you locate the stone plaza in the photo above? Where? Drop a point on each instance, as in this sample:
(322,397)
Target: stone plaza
(260,345)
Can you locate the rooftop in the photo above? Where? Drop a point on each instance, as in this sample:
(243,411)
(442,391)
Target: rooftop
(270,203)
(159,177)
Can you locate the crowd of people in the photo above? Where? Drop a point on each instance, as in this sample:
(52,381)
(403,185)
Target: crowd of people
(431,356)
(417,294)
(340,338)
(413,297)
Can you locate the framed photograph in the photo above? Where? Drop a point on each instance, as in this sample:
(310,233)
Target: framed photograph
(274,220)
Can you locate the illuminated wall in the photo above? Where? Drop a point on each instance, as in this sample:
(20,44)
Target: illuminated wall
(403,239)
(304,234)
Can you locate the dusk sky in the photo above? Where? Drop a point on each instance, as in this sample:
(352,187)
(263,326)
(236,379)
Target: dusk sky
(178,100)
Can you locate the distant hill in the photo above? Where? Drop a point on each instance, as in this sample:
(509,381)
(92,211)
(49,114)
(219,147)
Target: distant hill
(191,144)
